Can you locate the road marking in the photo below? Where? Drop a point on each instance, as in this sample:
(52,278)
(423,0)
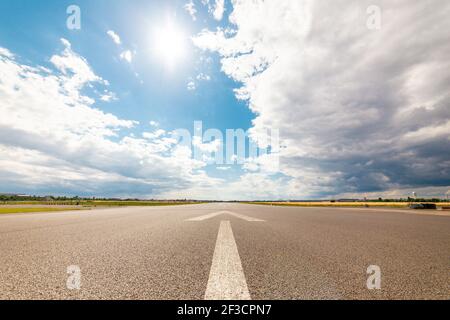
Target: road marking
(247,218)
(205,217)
(215,214)
(226,278)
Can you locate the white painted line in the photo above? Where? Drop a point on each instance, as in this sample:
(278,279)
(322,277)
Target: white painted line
(207,216)
(226,278)
(247,218)
(215,214)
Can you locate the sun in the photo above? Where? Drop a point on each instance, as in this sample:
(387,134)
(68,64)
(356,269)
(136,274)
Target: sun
(170,44)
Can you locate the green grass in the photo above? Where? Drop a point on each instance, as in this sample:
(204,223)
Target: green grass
(31,210)
(99,203)
(55,206)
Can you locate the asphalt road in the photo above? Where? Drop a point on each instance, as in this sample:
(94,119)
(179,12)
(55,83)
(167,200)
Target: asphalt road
(219,251)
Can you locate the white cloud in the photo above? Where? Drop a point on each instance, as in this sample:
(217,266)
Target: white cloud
(115,37)
(108,96)
(55,141)
(154,123)
(203,77)
(219,9)
(428,133)
(192,83)
(66,43)
(214,41)
(152,135)
(191,86)
(343,95)
(190,8)
(76,72)
(127,55)
(6,53)
(215,7)
(265,163)
(207,147)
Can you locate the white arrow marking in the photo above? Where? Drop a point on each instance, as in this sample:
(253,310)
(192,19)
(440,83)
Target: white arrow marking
(226,278)
(215,214)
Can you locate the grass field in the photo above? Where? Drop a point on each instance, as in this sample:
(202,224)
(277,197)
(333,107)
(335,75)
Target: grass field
(34,209)
(98,203)
(345,204)
(67,205)
(55,206)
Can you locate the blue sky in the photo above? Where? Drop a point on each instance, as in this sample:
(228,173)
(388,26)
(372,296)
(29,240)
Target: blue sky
(354,118)
(156,94)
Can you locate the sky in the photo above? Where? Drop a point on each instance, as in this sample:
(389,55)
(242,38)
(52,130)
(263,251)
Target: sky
(342,98)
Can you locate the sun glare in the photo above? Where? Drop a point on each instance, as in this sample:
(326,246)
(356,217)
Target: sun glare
(170,44)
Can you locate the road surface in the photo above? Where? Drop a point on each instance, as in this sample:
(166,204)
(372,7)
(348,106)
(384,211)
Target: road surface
(224,251)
